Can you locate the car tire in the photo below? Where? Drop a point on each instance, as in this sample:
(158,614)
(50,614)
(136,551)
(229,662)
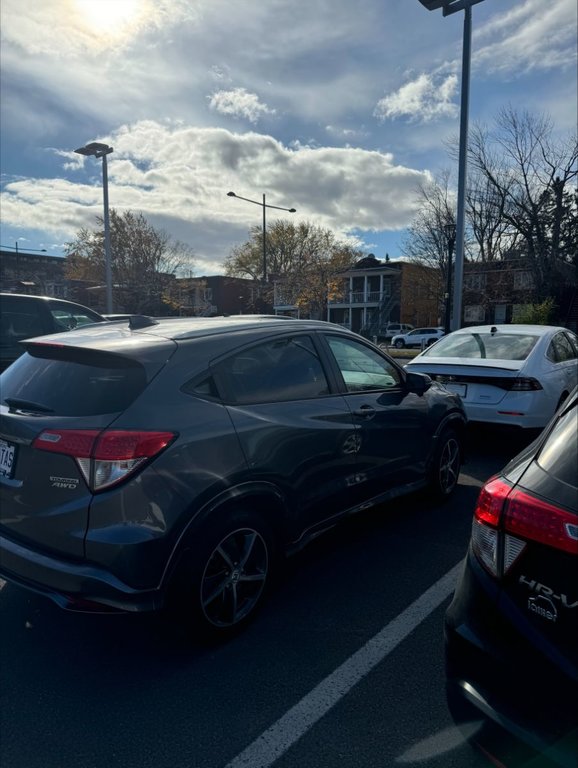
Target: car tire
(446,465)
(399,344)
(224,575)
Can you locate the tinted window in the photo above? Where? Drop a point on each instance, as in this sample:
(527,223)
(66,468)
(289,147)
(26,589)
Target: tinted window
(74,385)
(560,349)
(559,455)
(283,369)
(20,323)
(361,367)
(204,387)
(498,346)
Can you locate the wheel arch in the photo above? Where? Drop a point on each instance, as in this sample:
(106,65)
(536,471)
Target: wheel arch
(263,498)
(456,422)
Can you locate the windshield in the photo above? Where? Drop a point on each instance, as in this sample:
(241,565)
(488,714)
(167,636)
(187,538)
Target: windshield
(487,346)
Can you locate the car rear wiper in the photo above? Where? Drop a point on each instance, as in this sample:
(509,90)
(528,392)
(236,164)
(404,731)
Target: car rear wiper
(26,405)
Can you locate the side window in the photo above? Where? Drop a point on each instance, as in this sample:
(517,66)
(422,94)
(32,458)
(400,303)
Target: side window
(204,387)
(361,367)
(63,320)
(573,341)
(279,370)
(20,321)
(560,349)
(67,317)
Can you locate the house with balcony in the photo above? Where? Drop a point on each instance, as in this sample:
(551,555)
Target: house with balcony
(374,293)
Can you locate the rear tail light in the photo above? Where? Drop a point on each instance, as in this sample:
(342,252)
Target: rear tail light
(510,384)
(524,384)
(506,518)
(107,457)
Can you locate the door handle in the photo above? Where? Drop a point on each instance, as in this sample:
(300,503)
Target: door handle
(365,412)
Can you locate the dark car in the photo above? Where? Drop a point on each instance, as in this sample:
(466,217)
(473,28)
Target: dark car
(512,627)
(170,462)
(23,316)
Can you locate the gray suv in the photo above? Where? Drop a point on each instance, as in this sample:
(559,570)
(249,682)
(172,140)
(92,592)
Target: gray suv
(153,463)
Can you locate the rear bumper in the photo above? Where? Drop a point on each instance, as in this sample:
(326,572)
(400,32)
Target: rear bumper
(492,671)
(72,585)
(514,410)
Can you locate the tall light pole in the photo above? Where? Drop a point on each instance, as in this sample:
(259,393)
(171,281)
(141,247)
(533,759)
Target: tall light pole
(264,206)
(449,7)
(450,232)
(98,150)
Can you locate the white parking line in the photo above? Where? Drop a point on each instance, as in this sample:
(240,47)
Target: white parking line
(295,723)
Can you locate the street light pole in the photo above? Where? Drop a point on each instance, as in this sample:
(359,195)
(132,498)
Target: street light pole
(264,205)
(264,241)
(449,7)
(450,230)
(98,150)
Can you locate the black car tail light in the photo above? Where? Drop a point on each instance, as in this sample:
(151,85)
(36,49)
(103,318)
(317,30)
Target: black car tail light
(506,518)
(107,457)
(524,384)
(532,518)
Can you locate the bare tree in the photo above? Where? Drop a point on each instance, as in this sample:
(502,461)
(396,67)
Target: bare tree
(529,174)
(426,242)
(144,259)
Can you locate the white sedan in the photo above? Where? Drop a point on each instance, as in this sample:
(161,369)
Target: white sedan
(516,375)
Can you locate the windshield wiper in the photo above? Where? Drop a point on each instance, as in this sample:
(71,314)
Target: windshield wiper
(26,405)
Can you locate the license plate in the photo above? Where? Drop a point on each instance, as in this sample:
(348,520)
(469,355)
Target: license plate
(7,452)
(458,389)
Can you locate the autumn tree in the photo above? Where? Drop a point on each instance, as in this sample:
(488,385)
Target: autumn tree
(303,260)
(144,260)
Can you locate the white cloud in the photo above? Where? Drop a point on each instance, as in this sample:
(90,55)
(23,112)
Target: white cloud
(422,100)
(239,103)
(531,36)
(178,176)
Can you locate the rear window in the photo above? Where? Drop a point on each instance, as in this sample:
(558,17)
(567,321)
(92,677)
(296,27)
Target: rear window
(559,454)
(486,346)
(73,382)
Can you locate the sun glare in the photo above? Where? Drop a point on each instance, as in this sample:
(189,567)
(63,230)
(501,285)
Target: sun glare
(108,17)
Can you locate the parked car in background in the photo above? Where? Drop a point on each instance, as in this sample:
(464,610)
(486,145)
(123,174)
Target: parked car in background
(23,316)
(515,375)
(392,329)
(419,337)
(172,461)
(511,630)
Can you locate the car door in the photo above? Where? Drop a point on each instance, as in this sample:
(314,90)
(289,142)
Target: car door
(297,434)
(395,432)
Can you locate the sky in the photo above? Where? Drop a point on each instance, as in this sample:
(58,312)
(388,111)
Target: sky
(338,109)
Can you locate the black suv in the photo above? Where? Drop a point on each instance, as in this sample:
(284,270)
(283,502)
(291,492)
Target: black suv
(512,627)
(23,316)
(178,458)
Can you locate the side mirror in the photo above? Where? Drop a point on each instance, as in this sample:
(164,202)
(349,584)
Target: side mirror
(418,383)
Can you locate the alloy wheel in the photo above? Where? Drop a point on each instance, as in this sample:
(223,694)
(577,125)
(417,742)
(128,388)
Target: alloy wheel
(234,577)
(449,465)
